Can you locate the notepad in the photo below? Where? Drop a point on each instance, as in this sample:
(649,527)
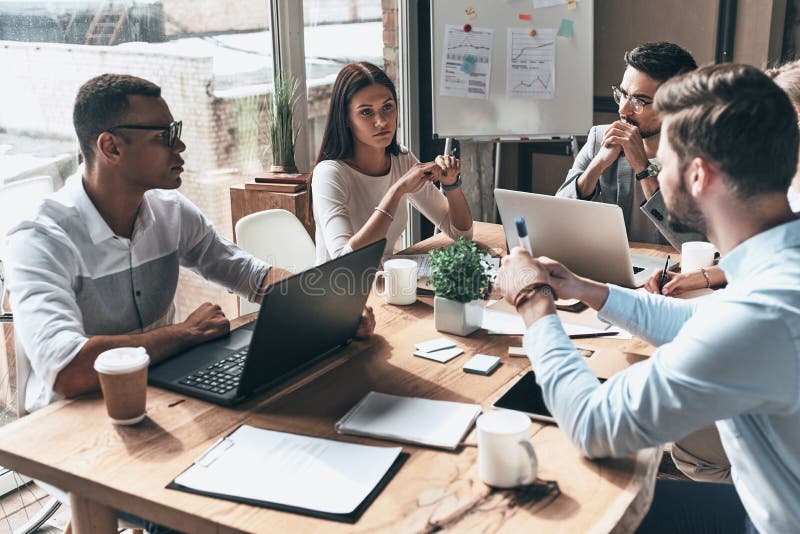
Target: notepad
(434,423)
(294,473)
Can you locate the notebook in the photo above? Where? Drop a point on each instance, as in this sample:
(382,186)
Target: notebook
(434,423)
(293,473)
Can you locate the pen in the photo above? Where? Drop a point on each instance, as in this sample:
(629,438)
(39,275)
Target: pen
(663,278)
(522,233)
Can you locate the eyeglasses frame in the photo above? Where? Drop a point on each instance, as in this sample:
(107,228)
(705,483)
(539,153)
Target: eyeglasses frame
(638,103)
(174,130)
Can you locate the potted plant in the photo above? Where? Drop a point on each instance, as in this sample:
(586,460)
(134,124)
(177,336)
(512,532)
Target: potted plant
(281,124)
(461,281)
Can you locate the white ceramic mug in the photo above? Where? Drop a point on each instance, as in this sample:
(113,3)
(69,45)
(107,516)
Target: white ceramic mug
(505,455)
(399,281)
(696,254)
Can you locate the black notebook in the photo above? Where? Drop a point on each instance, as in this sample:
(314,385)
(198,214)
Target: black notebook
(293,473)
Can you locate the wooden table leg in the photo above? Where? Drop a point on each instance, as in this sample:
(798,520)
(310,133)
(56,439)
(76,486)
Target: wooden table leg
(91,517)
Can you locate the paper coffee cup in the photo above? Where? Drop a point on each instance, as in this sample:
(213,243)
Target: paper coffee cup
(123,379)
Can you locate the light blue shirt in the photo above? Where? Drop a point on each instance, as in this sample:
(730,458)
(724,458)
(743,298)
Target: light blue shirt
(731,358)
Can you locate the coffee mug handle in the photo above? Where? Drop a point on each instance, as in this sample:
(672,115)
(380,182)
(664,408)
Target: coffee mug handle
(385,292)
(530,460)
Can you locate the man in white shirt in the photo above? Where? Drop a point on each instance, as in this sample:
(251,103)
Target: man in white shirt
(728,153)
(97,266)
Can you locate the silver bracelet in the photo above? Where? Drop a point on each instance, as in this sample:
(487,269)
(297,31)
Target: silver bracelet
(381,210)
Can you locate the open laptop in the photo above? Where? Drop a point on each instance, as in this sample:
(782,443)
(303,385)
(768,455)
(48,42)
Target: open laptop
(303,319)
(589,238)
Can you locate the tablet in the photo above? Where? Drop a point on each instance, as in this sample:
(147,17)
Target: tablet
(526,396)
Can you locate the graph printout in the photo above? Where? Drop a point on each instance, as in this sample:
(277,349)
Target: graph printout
(467,62)
(531,63)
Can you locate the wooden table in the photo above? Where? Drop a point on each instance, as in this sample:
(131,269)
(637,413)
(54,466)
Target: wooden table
(72,445)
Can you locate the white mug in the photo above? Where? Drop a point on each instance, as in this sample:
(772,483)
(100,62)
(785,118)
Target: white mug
(399,281)
(696,254)
(505,455)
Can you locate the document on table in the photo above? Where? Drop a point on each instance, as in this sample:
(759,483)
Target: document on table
(295,473)
(409,419)
(504,323)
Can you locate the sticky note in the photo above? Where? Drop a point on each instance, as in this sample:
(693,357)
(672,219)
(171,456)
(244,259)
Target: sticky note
(468,64)
(572,4)
(525,16)
(441,356)
(435,344)
(565,29)
(469,11)
(482,364)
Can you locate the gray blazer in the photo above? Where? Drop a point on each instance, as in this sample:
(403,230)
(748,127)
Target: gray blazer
(616,187)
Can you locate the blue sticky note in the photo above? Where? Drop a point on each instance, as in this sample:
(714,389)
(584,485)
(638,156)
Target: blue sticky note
(565,30)
(468,64)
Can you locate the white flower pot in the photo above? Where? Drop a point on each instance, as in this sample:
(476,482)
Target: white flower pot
(459,318)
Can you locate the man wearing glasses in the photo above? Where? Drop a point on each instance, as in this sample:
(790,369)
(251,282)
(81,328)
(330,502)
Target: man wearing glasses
(617,164)
(97,267)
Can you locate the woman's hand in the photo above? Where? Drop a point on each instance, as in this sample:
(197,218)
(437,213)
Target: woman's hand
(417,176)
(450,167)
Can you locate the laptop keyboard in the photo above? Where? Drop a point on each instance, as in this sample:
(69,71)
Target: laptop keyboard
(637,270)
(219,377)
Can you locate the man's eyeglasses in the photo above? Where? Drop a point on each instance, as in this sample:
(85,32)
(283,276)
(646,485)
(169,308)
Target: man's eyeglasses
(173,130)
(620,95)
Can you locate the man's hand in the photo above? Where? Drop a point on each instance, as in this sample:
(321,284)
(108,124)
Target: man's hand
(519,270)
(207,322)
(367,325)
(677,283)
(629,139)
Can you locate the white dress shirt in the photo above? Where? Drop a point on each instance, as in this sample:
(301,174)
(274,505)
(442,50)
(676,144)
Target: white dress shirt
(732,358)
(70,277)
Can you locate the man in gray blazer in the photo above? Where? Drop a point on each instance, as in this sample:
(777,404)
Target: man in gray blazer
(617,164)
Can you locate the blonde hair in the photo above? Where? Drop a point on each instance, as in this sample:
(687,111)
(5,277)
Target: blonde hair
(787,76)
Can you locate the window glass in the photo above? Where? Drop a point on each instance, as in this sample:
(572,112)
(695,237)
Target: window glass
(338,32)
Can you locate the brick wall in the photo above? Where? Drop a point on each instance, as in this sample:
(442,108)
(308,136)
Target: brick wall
(390,41)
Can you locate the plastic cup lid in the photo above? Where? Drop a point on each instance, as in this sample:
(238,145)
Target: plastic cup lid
(122,360)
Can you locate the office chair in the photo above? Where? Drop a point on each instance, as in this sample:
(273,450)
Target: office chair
(277,237)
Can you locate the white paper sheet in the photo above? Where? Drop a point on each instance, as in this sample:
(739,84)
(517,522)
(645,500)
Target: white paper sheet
(277,467)
(427,422)
(531,63)
(548,3)
(503,323)
(474,48)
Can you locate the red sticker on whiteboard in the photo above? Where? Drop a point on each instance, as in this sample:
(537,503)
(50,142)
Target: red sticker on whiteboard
(467,27)
(525,16)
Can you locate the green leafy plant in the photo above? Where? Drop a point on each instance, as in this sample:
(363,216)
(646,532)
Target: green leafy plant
(460,271)
(281,123)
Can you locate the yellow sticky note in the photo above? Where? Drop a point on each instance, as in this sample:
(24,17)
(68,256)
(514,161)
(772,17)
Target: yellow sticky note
(469,11)
(572,4)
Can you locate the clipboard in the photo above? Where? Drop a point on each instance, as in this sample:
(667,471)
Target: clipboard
(220,448)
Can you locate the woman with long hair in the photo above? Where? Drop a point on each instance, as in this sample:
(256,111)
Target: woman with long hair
(363,176)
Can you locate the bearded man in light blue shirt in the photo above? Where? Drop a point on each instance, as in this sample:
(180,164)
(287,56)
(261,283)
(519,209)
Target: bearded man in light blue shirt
(728,152)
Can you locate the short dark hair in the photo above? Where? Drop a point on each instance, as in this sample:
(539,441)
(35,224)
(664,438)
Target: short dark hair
(337,141)
(102,102)
(736,117)
(661,61)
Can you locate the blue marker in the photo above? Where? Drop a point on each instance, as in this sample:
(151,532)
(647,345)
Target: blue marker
(522,232)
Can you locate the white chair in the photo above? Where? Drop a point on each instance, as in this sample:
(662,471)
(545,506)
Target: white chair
(277,237)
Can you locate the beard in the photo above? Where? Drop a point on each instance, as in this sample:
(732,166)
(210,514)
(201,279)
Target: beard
(684,216)
(643,133)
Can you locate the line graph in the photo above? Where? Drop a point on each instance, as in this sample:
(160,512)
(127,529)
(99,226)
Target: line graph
(530,68)
(467,62)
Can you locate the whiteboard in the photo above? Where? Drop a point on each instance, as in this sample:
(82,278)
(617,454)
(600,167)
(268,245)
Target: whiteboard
(500,116)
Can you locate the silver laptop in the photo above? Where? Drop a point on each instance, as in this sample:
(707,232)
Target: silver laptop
(589,238)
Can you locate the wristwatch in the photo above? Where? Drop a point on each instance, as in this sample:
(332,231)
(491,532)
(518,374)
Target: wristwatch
(652,169)
(454,185)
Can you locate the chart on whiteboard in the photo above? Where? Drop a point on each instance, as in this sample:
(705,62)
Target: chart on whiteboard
(531,63)
(467,62)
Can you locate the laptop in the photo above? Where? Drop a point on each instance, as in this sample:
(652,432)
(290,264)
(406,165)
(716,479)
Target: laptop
(302,320)
(589,238)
